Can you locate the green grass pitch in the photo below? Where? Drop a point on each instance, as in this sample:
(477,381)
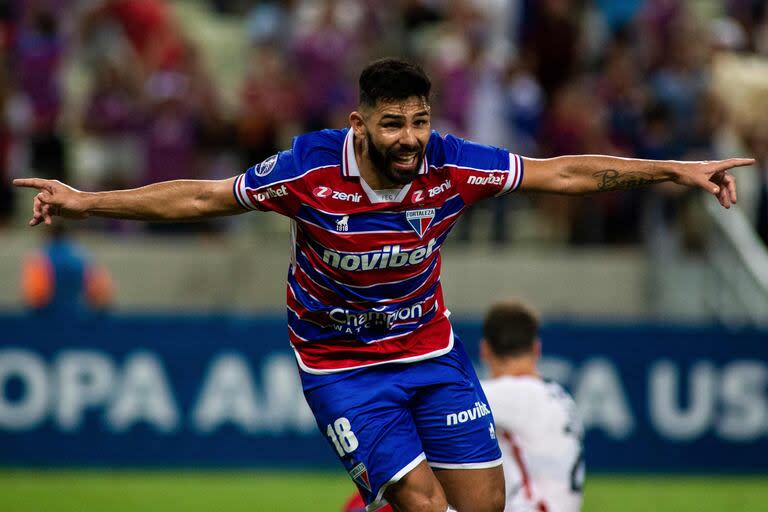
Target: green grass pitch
(255,491)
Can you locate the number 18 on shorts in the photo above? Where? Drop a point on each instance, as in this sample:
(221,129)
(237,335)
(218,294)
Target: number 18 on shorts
(383,421)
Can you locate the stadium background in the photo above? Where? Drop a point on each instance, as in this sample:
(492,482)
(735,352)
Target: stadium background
(181,392)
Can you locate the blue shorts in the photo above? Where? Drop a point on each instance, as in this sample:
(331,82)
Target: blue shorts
(383,420)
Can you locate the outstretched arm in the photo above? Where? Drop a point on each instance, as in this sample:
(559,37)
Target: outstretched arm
(165,201)
(594,173)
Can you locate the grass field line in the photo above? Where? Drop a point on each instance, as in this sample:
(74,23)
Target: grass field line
(90,490)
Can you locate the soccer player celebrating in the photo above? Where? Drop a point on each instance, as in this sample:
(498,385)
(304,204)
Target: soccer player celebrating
(390,385)
(539,431)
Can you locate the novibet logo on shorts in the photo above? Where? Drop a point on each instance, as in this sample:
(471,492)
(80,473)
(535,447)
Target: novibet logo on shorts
(478,411)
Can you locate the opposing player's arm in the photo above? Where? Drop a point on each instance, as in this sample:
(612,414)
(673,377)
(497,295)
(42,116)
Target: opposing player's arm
(583,174)
(164,201)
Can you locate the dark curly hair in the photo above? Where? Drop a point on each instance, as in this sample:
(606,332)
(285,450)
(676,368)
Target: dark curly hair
(392,79)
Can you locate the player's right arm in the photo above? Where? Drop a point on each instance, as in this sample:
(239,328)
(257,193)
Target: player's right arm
(584,174)
(165,201)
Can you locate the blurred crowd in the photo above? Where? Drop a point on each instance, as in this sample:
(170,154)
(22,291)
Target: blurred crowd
(540,77)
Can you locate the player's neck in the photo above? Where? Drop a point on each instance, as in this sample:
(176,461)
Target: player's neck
(374,178)
(514,367)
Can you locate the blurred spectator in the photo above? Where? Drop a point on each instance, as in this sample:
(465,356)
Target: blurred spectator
(9,17)
(456,61)
(214,153)
(551,38)
(268,104)
(757,209)
(171,135)
(38,55)
(321,49)
(760,36)
(171,129)
(7,193)
(752,16)
(16,122)
(523,108)
(271,23)
(59,278)
(658,22)
(681,81)
(727,34)
(618,14)
(203,102)
(658,138)
(703,129)
(540,77)
(112,117)
(620,88)
(228,6)
(148,26)
(505,106)
(417,13)
(578,123)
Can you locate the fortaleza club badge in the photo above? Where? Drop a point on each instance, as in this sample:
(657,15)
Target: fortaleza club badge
(359,474)
(420,220)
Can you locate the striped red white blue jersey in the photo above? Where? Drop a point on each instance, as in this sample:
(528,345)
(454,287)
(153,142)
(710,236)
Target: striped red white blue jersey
(364,279)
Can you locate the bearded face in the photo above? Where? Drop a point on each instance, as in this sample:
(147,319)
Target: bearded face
(399,163)
(396,136)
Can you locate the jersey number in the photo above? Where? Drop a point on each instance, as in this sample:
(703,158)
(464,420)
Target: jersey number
(342,437)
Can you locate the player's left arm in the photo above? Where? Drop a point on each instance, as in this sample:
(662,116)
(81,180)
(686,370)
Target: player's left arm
(583,174)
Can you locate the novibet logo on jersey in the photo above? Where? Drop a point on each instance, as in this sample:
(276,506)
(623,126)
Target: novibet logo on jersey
(390,256)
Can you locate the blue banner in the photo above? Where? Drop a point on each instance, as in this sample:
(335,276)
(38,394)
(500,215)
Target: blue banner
(223,391)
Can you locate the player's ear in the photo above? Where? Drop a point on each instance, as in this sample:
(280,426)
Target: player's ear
(357,122)
(485,352)
(537,348)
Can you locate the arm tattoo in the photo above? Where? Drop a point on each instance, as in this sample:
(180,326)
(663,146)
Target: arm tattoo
(611,179)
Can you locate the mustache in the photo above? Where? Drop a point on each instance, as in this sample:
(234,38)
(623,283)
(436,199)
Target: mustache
(405,149)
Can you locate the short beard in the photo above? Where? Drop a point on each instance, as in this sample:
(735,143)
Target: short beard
(382,162)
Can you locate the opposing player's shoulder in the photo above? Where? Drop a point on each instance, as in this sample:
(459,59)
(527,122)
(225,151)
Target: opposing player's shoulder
(513,387)
(546,389)
(525,393)
(555,391)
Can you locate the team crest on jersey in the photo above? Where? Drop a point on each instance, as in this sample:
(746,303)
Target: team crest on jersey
(359,474)
(266,166)
(420,220)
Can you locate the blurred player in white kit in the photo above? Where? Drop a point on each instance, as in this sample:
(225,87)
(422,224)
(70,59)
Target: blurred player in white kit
(537,426)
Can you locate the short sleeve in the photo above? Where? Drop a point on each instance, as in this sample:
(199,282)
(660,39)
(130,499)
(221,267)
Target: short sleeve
(481,171)
(270,185)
